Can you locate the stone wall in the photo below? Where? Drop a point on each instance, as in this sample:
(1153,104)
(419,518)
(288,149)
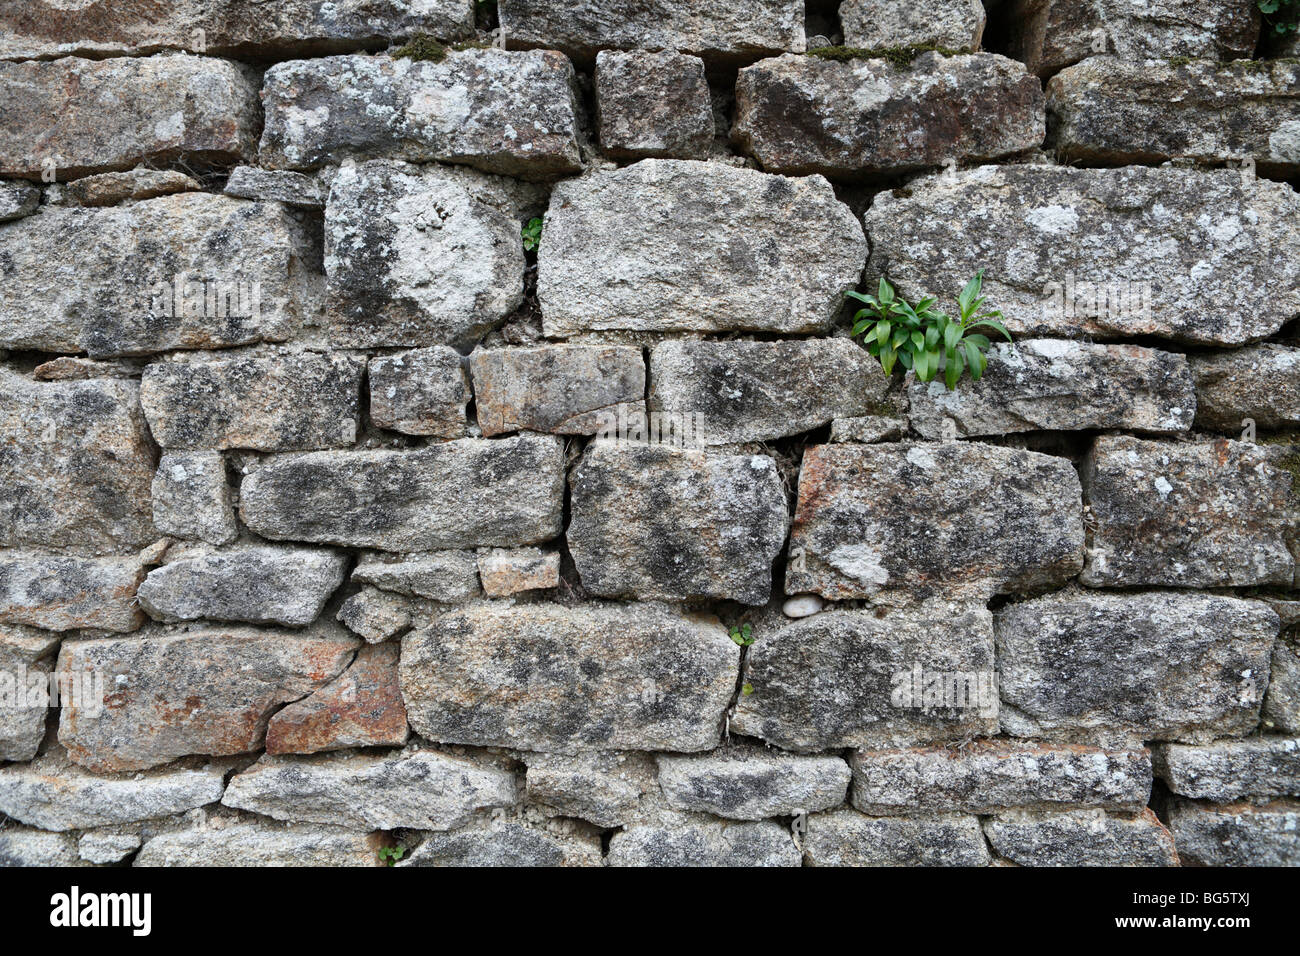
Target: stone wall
(351,529)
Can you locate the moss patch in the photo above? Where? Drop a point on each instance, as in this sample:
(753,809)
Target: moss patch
(899,56)
(421,47)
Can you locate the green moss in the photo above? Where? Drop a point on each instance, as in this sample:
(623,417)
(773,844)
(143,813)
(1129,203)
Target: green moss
(899,56)
(421,47)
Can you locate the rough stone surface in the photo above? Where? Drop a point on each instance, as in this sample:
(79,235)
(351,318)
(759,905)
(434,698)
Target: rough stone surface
(1146,666)
(375,615)
(1113,112)
(659,523)
(653,105)
(420,392)
(107,846)
(598,677)
(671,245)
(844,679)
(460,494)
(743,783)
(506,572)
(25,653)
(60,593)
(849,838)
(869,117)
(1258,768)
(1089,251)
(415,260)
(1201,514)
(1282,705)
(109,189)
(1236,834)
(1262,384)
(606,789)
(992,776)
(1081,838)
(262,844)
(446,576)
(191,498)
(868,429)
(205,691)
(1061,386)
(18,200)
(704,843)
(256,584)
(563,389)
(499,111)
(276,185)
(757,391)
(511,844)
(912,520)
(956,25)
(20,846)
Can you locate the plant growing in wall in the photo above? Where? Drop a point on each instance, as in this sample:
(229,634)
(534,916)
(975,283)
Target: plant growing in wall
(1282,15)
(925,340)
(532,234)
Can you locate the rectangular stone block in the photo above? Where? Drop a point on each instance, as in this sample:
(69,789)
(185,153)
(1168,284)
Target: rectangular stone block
(513,571)
(446,576)
(849,838)
(192,498)
(1081,838)
(1261,384)
(953,25)
(703,842)
(607,789)
(262,843)
(1236,834)
(752,783)
(512,842)
(420,392)
(653,105)
(1257,768)
(60,593)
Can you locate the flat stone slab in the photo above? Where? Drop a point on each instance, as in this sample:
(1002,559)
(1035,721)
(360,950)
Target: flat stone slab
(849,838)
(109,189)
(420,392)
(449,577)
(606,789)
(1236,834)
(1081,838)
(743,783)
(262,844)
(276,185)
(703,843)
(1261,384)
(1257,768)
(60,593)
(882,24)
(510,843)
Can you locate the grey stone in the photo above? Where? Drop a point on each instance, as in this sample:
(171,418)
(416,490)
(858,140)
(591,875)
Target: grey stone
(868,429)
(261,844)
(704,843)
(1282,704)
(1092,251)
(1200,514)
(1144,666)
(1257,768)
(848,838)
(989,776)
(653,105)
(459,494)
(191,498)
(256,584)
(911,520)
(103,847)
(276,185)
(25,656)
(757,391)
(416,260)
(20,846)
(109,189)
(18,200)
(375,615)
(509,843)
(446,576)
(598,677)
(1262,384)
(847,678)
(423,790)
(60,593)
(606,789)
(1081,838)
(1061,386)
(955,25)
(674,245)
(805,605)
(506,572)
(502,112)
(751,783)
(420,392)
(1237,834)
(70,368)
(655,522)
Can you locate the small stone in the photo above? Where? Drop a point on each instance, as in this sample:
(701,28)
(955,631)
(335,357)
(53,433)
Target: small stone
(704,843)
(751,783)
(60,593)
(104,847)
(1261,384)
(375,615)
(69,368)
(606,789)
(508,843)
(20,846)
(276,185)
(1081,838)
(18,200)
(653,105)
(420,392)
(109,189)
(849,838)
(1235,834)
(1282,705)
(449,577)
(506,572)
(954,25)
(192,499)
(1257,768)
(868,429)
(261,843)
(805,605)
(25,654)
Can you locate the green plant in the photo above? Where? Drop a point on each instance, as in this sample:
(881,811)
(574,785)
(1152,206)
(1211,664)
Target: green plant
(746,689)
(742,635)
(532,235)
(391,854)
(421,47)
(925,340)
(1282,15)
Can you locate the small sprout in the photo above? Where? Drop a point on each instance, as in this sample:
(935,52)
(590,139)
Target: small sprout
(532,235)
(746,690)
(391,854)
(742,635)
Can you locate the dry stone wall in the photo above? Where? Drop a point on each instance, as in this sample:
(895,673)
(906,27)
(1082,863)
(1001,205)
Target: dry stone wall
(344,522)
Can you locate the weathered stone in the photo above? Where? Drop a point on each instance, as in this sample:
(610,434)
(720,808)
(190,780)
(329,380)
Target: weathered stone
(262,844)
(1258,768)
(1282,704)
(563,389)
(458,494)
(191,498)
(672,245)
(1237,834)
(504,573)
(1081,838)
(20,846)
(1108,111)
(654,522)
(79,116)
(508,113)
(1262,384)
(551,678)
(509,843)
(375,615)
(849,679)
(25,656)
(423,790)
(76,465)
(1061,386)
(1201,514)
(189,271)
(704,842)
(848,838)
(519,199)
(255,584)
(54,794)
(107,846)
(955,25)
(606,789)
(911,520)
(868,429)
(415,260)
(990,776)
(1048,35)
(276,185)
(742,29)
(756,391)
(653,105)
(204,691)
(1092,251)
(293,402)
(869,117)
(362,708)
(446,576)
(1153,666)
(60,593)
(751,783)
(18,200)
(109,189)
(71,368)
(248,28)
(420,392)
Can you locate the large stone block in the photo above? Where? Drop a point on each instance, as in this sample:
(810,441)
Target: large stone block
(654,522)
(459,494)
(1261,384)
(848,838)
(1237,834)
(751,783)
(1153,666)
(1081,838)
(674,245)
(26,655)
(557,679)
(1116,253)
(956,25)
(653,105)
(262,843)
(420,392)
(502,112)
(60,593)
(957,519)
(852,679)
(1258,768)
(703,842)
